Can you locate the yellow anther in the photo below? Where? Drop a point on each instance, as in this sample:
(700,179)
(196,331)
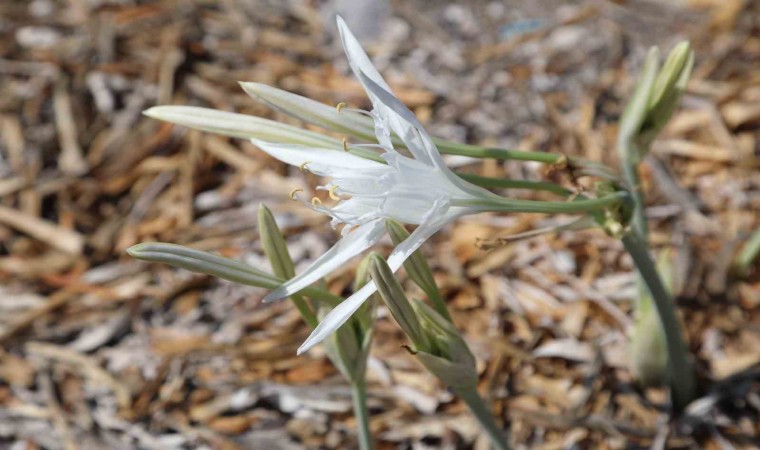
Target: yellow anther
(340,106)
(345,144)
(333,195)
(293,193)
(302,167)
(316,201)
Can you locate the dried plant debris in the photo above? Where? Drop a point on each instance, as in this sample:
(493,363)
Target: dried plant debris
(100,351)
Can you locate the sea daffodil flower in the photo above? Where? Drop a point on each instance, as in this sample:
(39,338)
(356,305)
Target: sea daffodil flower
(417,190)
(414,187)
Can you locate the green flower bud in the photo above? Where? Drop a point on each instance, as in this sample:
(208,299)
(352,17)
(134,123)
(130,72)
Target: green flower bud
(203,262)
(449,358)
(391,292)
(656,97)
(218,266)
(282,264)
(274,244)
(365,314)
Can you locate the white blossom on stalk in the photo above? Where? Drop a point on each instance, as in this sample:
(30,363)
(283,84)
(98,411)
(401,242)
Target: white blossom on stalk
(417,190)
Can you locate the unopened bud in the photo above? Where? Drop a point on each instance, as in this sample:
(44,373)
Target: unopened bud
(393,296)
(656,97)
(274,244)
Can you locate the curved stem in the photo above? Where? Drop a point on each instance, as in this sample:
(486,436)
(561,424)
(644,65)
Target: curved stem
(682,379)
(481,412)
(359,397)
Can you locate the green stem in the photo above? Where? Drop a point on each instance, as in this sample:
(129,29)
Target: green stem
(488,182)
(638,221)
(474,151)
(359,397)
(483,414)
(682,379)
(579,206)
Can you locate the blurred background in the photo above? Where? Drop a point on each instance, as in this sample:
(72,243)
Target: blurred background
(102,351)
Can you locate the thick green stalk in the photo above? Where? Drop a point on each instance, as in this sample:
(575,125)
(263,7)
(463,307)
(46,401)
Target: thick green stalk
(481,412)
(361,412)
(578,206)
(682,379)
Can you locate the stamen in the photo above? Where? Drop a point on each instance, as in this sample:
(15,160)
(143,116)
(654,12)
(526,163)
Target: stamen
(358,111)
(293,193)
(332,193)
(343,106)
(345,144)
(316,202)
(302,167)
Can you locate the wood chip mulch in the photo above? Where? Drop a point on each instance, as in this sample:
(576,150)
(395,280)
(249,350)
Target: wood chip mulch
(101,351)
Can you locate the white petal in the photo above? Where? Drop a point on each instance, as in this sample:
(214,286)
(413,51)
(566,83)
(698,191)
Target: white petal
(341,313)
(405,124)
(338,316)
(319,160)
(368,75)
(311,111)
(239,125)
(346,248)
(357,58)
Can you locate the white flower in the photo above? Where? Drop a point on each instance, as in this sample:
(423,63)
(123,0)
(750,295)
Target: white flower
(419,190)
(414,187)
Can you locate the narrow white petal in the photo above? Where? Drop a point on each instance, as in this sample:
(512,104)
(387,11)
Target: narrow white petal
(401,121)
(404,123)
(346,248)
(368,75)
(319,160)
(338,316)
(311,111)
(239,125)
(437,217)
(357,58)
(341,313)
